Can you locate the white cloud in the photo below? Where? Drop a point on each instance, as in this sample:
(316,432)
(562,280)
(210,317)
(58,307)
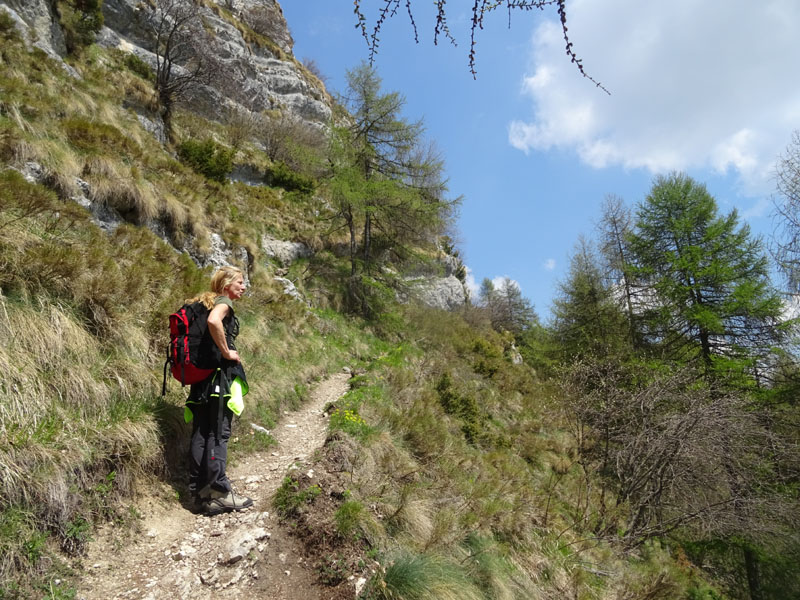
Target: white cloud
(471,284)
(693,84)
(499,282)
(549,264)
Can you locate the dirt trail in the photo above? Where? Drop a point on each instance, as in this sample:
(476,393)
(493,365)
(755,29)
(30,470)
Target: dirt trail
(179,555)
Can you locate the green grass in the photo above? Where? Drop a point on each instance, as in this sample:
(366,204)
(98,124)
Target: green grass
(291,496)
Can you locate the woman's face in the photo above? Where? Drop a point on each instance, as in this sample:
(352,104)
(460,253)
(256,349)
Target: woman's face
(236,288)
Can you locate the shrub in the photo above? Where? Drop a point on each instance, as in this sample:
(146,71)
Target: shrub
(280,175)
(138,66)
(208,158)
(8,29)
(81,20)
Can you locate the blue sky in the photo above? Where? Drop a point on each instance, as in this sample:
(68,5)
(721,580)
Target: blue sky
(706,87)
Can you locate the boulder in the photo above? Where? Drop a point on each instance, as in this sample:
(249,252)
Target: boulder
(284,252)
(446,293)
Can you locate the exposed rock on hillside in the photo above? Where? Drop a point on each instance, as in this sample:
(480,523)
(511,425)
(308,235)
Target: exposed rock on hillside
(36,19)
(284,252)
(265,76)
(446,293)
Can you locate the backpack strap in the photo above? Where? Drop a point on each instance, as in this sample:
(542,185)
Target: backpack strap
(223,386)
(164,382)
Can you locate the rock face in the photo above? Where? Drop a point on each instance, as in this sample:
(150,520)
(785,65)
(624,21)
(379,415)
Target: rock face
(258,77)
(38,24)
(284,252)
(446,293)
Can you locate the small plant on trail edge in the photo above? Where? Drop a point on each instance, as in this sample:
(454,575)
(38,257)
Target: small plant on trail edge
(422,576)
(348,517)
(350,422)
(289,497)
(333,570)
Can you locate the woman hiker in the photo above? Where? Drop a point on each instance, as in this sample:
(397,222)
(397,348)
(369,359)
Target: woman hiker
(213,402)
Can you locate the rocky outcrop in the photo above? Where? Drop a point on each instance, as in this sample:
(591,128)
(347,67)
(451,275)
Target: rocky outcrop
(436,283)
(257,77)
(38,24)
(284,252)
(446,293)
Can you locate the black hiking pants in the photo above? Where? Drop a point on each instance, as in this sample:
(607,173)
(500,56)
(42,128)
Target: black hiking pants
(208,448)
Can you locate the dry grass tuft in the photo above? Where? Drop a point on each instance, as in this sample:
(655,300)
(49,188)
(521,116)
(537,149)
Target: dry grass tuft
(116,185)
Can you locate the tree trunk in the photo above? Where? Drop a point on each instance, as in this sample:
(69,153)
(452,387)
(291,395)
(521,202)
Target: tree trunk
(367,240)
(753,576)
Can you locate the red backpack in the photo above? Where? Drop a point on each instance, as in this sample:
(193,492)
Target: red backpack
(190,355)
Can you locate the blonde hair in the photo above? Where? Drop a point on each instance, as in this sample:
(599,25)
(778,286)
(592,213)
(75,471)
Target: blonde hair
(219,281)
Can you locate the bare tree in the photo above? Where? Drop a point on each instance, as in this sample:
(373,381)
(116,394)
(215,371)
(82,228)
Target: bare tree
(185,57)
(290,140)
(786,247)
(671,453)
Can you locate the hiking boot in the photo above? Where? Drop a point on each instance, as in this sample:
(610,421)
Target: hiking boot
(221,502)
(198,505)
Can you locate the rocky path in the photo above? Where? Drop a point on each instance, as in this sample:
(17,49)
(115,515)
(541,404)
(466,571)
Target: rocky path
(178,555)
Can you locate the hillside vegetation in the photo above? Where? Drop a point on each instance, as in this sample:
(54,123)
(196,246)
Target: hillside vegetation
(645,445)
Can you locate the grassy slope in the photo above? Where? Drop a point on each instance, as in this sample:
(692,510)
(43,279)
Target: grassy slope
(457,451)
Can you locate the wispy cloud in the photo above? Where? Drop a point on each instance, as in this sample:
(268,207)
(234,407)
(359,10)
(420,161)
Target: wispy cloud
(693,85)
(549,264)
(471,284)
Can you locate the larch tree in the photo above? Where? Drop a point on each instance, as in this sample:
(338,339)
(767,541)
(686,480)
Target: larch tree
(786,248)
(388,186)
(587,319)
(480,11)
(709,296)
(615,226)
(508,309)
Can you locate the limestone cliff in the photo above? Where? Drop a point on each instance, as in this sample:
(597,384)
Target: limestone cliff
(265,74)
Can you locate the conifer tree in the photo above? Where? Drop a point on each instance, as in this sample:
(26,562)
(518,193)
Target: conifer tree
(508,309)
(387,186)
(709,297)
(587,319)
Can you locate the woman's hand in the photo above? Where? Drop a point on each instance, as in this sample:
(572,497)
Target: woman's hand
(231,355)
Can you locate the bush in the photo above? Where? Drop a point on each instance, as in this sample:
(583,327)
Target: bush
(208,158)
(138,66)
(81,20)
(280,175)
(8,29)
